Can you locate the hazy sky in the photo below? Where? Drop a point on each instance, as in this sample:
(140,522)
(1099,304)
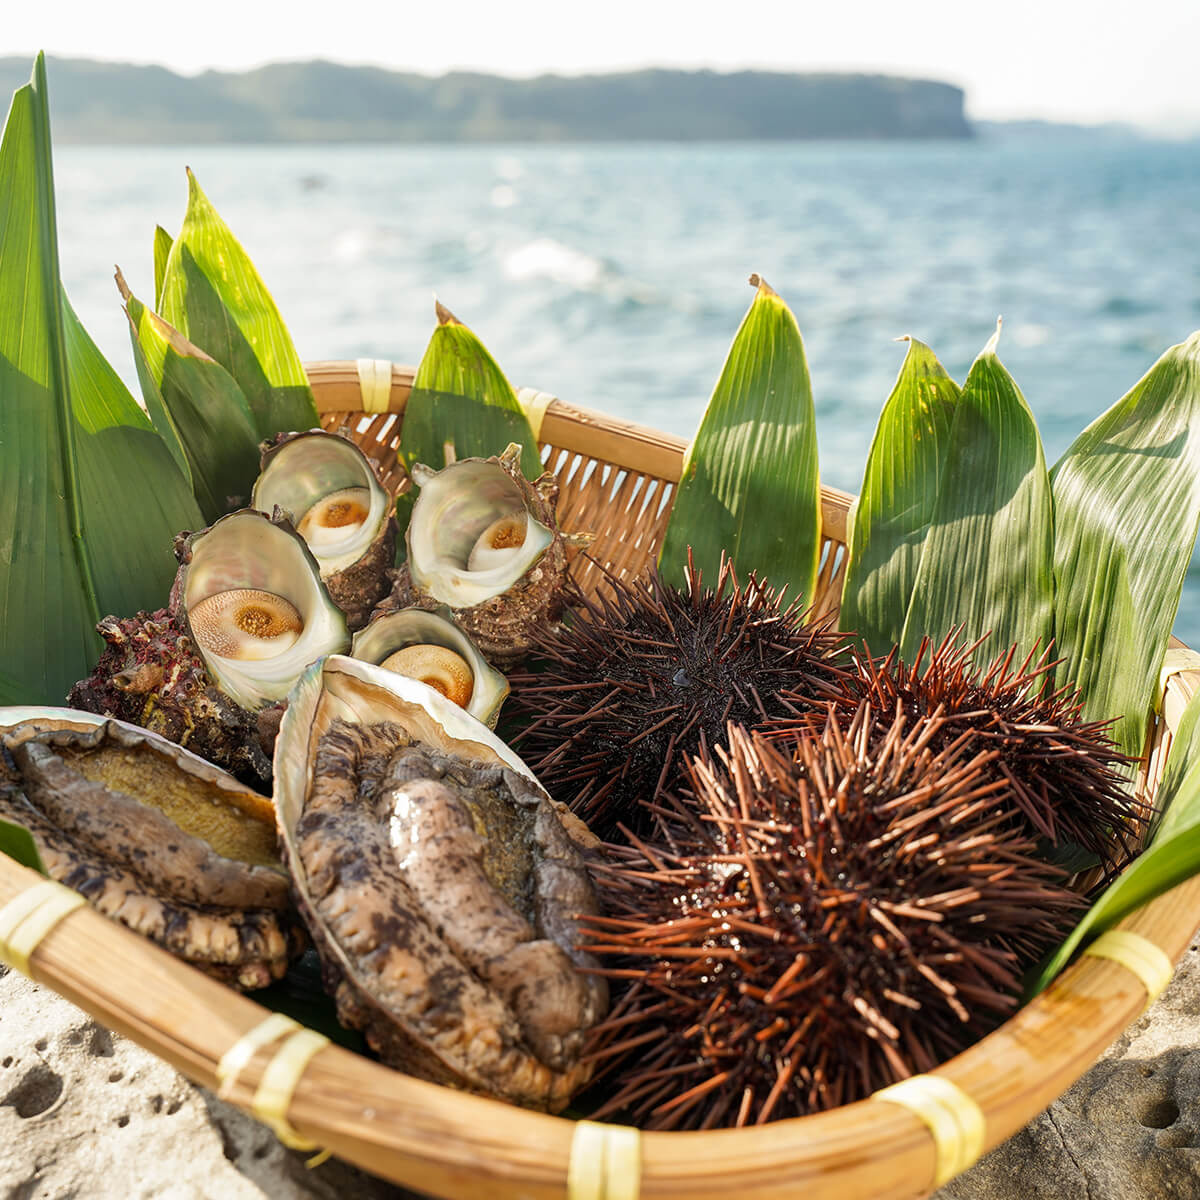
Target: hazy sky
(1060,59)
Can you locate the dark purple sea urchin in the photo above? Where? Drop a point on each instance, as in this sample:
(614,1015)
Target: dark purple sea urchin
(852,915)
(1065,779)
(650,673)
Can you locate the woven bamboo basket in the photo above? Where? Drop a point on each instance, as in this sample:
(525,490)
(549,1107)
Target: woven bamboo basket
(617,480)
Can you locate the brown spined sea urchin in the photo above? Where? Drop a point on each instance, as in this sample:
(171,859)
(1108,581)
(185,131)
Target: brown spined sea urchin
(855,914)
(649,673)
(1066,781)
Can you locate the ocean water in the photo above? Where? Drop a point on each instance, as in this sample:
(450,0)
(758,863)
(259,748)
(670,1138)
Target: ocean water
(616,276)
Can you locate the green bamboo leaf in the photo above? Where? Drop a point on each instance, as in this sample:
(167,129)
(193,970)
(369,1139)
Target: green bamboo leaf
(750,486)
(462,405)
(90,498)
(1181,778)
(212,294)
(1172,856)
(135,500)
(204,407)
(988,561)
(17,842)
(162,251)
(156,409)
(1128,489)
(895,505)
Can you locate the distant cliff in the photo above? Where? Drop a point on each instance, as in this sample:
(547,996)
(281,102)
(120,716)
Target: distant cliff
(322,101)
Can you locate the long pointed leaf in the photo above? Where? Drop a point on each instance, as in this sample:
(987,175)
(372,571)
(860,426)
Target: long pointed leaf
(135,500)
(461,399)
(1172,856)
(1128,487)
(750,485)
(162,251)
(988,561)
(205,407)
(160,416)
(896,502)
(45,585)
(89,496)
(214,296)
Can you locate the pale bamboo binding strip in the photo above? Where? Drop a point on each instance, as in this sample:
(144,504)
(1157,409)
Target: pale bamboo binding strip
(1139,955)
(375,384)
(27,918)
(280,1078)
(605,1162)
(954,1119)
(1176,661)
(535,404)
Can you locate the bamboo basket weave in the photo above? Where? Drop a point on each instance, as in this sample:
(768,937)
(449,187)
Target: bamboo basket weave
(616,480)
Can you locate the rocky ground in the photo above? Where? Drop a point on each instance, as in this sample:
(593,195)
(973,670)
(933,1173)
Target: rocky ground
(87,1115)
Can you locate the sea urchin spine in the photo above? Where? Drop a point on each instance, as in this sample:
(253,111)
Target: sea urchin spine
(649,673)
(1066,780)
(853,915)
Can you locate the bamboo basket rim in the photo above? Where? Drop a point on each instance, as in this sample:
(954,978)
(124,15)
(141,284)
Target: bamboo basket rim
(467,1147)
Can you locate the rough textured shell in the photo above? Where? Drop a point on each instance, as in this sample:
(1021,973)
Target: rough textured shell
(387,950)
(390,632)
(247,549)
(153,837)
(303,468)
(152,675)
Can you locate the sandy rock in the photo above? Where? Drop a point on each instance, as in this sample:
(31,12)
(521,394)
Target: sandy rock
(1128,1130)
(87,1114)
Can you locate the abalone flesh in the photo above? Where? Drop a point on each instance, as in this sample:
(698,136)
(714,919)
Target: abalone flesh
(153,837)
(440,884)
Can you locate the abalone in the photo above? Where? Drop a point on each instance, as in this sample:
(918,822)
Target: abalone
(440,884)
(153,837)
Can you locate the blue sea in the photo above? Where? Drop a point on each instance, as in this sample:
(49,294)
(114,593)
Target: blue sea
(615,276)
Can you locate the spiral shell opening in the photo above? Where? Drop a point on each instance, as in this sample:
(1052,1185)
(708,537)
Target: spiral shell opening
(471,535)
(246,624)
(430,647)
(254,603)
(326,483)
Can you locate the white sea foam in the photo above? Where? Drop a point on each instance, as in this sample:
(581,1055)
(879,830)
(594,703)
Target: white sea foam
(545,258)
(1030,334)
(509,168)
(350,246)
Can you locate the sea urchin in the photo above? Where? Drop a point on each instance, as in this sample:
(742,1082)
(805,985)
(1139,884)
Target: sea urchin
(853,915)
(1066,781)
(649,673)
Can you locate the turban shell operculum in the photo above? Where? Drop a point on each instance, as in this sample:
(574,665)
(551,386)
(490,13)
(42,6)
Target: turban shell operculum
(340,509)
(245,624)
(439,668)
(427,861)
(155,838)
(430,647)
